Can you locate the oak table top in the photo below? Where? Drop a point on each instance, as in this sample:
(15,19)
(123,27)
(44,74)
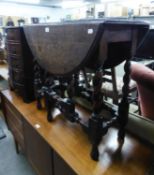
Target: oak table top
(72,144)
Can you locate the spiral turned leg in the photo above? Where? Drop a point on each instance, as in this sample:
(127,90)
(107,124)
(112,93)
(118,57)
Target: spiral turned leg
(38,82)
(73,85)
(124,104)
(95,123)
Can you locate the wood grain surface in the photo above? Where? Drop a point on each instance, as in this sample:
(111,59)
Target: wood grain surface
(73,146)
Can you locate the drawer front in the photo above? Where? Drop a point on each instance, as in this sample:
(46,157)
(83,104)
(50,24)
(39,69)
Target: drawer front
(15,123)
(14,48)
(17,135)
(14,117)
(15,61)
(18,76)
(13,34)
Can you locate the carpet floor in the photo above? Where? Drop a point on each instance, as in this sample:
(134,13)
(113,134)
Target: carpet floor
(12,163)
(2,134)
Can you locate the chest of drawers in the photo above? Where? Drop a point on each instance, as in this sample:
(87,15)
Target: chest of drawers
(20,61)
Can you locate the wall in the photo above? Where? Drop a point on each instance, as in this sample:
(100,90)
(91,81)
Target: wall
(47,14)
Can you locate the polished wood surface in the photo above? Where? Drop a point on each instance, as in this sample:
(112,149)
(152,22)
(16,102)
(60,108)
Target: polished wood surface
(4,71)
(73,146)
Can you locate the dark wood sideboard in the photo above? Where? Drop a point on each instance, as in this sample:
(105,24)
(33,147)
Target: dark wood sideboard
(62,148)
(20,61)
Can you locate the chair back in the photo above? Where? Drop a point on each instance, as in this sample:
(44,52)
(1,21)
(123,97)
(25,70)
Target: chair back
(145,85)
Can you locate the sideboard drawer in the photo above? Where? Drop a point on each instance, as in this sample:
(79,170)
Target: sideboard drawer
(14,118)
(13,34)
(18,76)
(15,123)
(14,48)
(15,61)
(16,133)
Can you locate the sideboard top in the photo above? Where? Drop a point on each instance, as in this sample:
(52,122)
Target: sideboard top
(72,144)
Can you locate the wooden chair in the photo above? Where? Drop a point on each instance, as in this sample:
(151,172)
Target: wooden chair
(113,83)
